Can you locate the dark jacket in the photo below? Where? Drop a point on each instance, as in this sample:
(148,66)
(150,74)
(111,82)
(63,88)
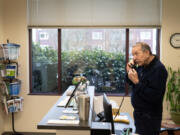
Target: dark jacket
(147,95)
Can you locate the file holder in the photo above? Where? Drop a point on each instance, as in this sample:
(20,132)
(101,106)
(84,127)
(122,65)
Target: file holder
(10,52)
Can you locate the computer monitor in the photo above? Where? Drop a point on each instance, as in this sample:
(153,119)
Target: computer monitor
(72,95)
(108,112)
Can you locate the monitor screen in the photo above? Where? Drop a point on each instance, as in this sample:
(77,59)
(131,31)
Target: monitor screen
(108,112)
(72,95)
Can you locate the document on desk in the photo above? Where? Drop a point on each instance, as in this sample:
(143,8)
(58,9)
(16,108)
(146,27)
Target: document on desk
(70,111)
(69,122)
(67,117)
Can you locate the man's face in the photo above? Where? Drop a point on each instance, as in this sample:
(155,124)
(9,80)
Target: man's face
(139,56)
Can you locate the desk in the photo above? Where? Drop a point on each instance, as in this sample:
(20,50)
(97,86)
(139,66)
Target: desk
(84,127)
(103,128)
(121,126)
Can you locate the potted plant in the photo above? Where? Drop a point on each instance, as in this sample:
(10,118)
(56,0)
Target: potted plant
(173,94)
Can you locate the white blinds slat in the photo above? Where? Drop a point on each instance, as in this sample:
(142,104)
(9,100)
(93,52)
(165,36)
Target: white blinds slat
(93,12)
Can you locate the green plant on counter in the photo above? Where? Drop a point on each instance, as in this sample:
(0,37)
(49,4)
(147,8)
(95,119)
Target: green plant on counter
(173,89)
(78,79)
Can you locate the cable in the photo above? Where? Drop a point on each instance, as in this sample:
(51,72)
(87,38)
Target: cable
(119,108)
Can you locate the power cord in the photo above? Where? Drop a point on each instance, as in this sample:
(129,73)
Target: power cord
(126,131)
(119,107)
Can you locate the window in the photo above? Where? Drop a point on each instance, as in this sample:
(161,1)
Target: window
(97,35)
(144,35)
(44,36)
(98,54)
(44,61)
(101,61)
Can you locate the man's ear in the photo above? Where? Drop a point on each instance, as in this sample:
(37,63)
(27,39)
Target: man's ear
(146,52)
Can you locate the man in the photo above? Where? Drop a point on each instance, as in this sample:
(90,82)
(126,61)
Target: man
(148,79)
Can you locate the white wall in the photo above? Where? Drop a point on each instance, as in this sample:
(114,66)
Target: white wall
(35,107)
(1,21)
(15,29)
(170,25)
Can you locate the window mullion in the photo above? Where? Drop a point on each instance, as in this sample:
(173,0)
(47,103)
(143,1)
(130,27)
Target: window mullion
(30,59)
(158,43)
(127,57)
(59,62)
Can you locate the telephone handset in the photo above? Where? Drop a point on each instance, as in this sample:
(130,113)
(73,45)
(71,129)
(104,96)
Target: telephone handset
(100,117)
(133,65)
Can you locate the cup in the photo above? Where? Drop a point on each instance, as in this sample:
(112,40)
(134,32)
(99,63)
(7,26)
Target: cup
(84,105)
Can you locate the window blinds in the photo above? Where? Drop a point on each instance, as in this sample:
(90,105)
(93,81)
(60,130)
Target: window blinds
(93,12)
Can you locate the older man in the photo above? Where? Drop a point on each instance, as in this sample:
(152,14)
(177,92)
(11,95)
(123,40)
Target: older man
(148,77)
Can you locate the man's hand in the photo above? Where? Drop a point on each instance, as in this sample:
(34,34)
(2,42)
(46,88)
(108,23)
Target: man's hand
(133,76)
(128,66)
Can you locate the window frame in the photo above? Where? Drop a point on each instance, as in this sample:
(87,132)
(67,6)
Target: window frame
(59,61)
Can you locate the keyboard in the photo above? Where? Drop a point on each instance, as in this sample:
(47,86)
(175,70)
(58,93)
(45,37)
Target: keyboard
(119,132)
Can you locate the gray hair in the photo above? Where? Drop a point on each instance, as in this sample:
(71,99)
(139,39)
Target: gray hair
(144,47)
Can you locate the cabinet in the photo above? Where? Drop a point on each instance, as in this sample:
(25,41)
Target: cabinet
(10,85)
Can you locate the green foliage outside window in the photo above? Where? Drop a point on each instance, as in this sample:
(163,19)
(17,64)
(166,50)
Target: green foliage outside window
(44,55)
(105,70)
(44,69)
